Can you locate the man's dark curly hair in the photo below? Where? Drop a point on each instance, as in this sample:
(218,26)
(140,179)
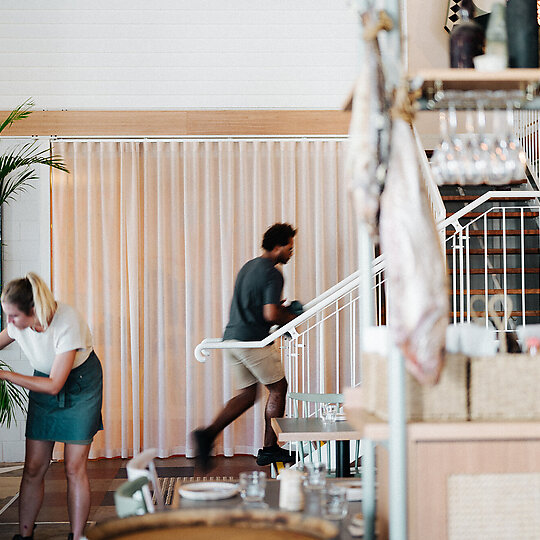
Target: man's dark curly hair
(278,234)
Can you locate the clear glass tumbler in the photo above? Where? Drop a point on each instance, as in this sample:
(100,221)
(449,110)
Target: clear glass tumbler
(334,503)
(252,486)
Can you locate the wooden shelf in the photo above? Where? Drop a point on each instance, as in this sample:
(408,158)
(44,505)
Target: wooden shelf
(464,87)
(513,80)
(375,428)
(471,79)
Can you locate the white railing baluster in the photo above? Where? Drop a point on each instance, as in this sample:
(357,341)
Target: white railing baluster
(486,274)
(338,357)
(461,279)
(522,246)
(454,278)
(468,271)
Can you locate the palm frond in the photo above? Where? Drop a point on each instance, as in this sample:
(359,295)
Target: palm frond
(12,397)
(17,168)
(22,111)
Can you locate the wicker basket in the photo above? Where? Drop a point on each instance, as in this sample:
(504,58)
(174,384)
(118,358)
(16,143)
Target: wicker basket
(494,506)
(445,401)
(505,387)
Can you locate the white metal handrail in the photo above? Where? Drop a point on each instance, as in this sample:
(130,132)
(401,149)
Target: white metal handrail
(351,282)
(348,284)
(434,195)
(453,220)
(460,245)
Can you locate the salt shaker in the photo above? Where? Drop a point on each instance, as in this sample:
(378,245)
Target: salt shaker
(291,495)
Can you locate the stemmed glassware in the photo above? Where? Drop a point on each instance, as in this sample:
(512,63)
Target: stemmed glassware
(477,157)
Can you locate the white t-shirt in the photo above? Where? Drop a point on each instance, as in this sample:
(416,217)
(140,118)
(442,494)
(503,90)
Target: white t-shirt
(68,331)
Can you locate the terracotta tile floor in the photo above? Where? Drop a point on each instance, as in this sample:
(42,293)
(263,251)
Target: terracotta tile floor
(105,476)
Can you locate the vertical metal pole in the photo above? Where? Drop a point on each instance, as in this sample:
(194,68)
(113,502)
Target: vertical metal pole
(368,488)
(397,445)
(396,63)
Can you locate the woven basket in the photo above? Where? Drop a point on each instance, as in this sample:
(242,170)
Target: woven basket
(445,401)
(493,506)
(505,387)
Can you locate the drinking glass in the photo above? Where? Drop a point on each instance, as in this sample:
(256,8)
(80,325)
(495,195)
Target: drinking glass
(334,503)
(252,486)
(329,412)
(516,156)
(454,164)
(314,476)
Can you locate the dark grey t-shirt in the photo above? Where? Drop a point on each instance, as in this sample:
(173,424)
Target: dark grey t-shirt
(258,283)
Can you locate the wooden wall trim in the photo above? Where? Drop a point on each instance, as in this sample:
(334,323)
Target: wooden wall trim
(181,123)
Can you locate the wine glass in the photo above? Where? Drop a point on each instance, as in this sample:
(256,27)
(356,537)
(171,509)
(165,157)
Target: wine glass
(517,159)
(454,155)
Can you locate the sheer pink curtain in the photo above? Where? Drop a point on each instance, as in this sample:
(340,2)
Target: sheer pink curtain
(147,238)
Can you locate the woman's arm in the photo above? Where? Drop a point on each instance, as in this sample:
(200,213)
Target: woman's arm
(5,340)
(46,385)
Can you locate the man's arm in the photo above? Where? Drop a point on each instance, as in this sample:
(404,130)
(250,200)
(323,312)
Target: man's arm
(277,314)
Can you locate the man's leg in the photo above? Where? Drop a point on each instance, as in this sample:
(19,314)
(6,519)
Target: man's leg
(204,438)
(234,408)
(275,408)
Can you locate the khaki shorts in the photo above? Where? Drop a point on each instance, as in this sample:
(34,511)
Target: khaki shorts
(250,366)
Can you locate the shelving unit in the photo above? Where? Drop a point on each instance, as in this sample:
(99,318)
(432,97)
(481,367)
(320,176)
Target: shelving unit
(467,451)
(422,456)
(464,87)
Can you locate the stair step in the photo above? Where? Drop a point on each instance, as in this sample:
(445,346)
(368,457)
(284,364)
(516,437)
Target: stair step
(498,232)
(499,187)
(500,291)
(499,251)
(496,215)
(515,313)
(474,197)
(480,271)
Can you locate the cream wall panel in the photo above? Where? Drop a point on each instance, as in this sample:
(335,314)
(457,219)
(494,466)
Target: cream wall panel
(25,248)
(178,54)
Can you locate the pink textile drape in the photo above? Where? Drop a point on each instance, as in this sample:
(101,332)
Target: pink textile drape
(147,238)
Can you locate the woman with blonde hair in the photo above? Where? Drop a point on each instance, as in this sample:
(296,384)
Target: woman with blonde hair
(65,395)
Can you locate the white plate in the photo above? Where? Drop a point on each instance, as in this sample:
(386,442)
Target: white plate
(353,488)
(340,417)
(208,491)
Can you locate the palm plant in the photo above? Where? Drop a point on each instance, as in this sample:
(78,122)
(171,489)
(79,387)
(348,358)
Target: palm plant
(17,166)
(17,171)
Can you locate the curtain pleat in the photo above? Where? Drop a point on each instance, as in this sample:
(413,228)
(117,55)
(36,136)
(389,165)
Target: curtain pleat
(147,238)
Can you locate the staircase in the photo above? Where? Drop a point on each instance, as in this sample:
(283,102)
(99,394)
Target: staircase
(494,249)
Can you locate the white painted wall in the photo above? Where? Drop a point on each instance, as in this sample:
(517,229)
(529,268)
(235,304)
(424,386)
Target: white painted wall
(25,248)
(177,54)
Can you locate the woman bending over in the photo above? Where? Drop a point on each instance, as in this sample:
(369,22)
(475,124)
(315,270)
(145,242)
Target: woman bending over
(65,395)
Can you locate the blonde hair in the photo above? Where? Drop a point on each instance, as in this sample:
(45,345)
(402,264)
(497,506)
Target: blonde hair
(31,292)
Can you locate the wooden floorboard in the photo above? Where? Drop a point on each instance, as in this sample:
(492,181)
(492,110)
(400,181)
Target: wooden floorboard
(105,476)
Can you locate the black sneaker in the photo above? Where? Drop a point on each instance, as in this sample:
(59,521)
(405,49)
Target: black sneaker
(21,537)
(266,456)
(204,445)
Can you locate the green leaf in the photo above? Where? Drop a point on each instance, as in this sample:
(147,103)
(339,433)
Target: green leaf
(21,112)
(17,165)
(12,397)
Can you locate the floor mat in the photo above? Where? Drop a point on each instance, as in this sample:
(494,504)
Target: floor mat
(169,485)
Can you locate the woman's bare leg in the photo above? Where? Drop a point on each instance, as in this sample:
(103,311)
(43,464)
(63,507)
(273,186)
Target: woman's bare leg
(36,462)
(78,486)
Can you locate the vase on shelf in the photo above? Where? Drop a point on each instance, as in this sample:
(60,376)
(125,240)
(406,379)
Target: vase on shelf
(467,38)
(522,27)
(496,35)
